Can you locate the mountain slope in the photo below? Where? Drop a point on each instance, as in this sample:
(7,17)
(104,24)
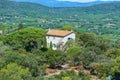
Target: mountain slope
(101,19)
(16,8)
(54,3)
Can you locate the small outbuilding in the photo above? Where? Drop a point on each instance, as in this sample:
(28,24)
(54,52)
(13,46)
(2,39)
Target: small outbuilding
(1,32)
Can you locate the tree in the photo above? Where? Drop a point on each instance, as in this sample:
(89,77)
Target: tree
(55,57)
(69,28)
(116,67)
(20,26)
(112,53)
(117,44)
(72,54)
(14,72)
(28,38)
(51,46)
(86,39)
(26,60)
(68,44)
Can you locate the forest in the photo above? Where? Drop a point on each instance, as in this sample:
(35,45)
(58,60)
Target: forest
(88,57)
(94,54)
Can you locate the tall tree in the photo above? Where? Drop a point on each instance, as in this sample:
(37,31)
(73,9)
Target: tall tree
(20,26)
(28,38)
(67,27)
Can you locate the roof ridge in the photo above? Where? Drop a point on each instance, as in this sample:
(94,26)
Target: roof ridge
(62,33)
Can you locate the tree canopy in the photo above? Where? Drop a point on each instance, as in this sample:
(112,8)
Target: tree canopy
(14,72)
(27,38)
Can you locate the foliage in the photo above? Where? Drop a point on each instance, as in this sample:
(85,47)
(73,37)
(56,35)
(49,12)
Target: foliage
(66,78)
(113,53)
(69,28)
(20,26)
(104,69)
(88,51)
(72,50)
(51,45)
(85,78)
(68,44)
(14,72)
(116,67)
(27,38)
(70,75)
(96,54)
(55,57)
(29,61)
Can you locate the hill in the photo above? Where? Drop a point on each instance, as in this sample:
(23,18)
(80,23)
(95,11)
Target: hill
(55,3)
(102,19)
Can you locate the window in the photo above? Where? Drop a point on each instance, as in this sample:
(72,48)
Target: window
(54,45)
(53,37)
(69,38)
(48,37)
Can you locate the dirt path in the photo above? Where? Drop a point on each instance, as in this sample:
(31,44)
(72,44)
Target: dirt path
(51,72)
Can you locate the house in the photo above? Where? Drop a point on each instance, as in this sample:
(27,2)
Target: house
(1,32)
(58,37)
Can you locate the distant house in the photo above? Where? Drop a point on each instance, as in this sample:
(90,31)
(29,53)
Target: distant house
(1,32)
(58,37)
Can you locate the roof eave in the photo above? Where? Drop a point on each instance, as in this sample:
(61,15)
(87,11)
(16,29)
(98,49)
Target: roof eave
(59,35)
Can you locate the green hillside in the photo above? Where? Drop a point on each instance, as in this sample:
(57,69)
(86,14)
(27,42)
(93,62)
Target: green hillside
(24,54)
(101,19)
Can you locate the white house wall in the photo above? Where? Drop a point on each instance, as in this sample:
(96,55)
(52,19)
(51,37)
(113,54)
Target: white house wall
(68,36)
(53,39)
(56,39)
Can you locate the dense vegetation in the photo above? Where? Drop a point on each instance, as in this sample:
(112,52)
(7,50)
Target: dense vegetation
(101,19)
(23,51)
(88,52)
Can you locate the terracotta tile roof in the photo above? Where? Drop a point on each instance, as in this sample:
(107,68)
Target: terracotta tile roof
(61,33)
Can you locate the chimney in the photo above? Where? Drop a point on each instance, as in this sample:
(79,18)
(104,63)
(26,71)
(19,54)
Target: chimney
(49,29)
